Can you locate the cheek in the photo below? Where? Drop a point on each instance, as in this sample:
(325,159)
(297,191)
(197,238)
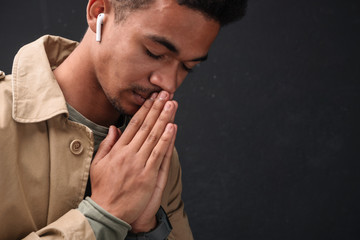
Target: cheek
(106,63)
(132,72)
(137,68)
(122,67)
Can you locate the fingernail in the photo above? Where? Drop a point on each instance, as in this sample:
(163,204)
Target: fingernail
(169,127)
(175,103)
(110,129)
(163,95)
(168,105)
(153,96)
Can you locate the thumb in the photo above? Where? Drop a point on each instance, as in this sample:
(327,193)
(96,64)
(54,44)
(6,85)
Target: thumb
(107,144)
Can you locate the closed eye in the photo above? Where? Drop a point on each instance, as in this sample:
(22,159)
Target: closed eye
(150,54)
(159,57)
(189,70)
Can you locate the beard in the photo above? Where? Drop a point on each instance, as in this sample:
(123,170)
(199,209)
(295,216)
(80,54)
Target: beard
(117,105)
(135,89)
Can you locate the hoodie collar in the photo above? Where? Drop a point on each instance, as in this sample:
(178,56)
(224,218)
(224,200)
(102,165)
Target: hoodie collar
(36,94)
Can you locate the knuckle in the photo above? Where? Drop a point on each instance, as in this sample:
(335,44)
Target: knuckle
(142,178)
(152,138)
(166,138)
(158,106)
(164,117)
(145,183)
(155,154)
(147,104)
(135,122)
(145,127)
(103,144)
(115,157)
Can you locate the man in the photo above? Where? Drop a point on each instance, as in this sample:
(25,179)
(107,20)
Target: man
(64,98)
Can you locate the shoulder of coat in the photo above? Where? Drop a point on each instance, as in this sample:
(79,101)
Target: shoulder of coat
(2,75)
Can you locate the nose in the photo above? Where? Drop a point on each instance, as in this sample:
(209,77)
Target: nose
(167,78)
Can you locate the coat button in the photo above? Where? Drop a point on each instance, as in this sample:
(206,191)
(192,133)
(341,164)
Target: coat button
(2,75)
(76,147)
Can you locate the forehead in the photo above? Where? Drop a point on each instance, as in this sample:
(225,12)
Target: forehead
(185,27)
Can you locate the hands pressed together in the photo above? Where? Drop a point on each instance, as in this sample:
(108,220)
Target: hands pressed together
(130,170)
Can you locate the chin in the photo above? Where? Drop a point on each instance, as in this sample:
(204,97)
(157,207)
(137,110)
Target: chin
(127,110)
(124,107)
(133,111)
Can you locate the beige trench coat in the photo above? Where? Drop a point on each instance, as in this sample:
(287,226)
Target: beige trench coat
(45,158)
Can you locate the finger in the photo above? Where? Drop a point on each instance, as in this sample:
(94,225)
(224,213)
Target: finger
(157,131)
(156,114)
(107,144)
(137,120)
(165,165)
(119,131)
(176,107)
(158,153)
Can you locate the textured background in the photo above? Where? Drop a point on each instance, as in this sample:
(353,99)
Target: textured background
(268,126)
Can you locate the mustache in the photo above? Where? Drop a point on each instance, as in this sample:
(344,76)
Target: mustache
(145,91)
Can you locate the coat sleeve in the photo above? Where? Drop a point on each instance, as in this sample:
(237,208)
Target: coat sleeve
(173,204)
(72,225)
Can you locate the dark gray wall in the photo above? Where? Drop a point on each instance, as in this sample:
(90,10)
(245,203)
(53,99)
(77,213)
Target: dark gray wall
(268,127)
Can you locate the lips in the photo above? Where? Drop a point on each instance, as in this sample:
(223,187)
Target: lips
(139,98)
(143,95)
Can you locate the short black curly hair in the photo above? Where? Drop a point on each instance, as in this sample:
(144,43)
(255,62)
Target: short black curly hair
(223,11)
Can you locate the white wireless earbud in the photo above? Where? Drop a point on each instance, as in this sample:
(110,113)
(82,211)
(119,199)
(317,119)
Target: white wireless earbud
(99,22)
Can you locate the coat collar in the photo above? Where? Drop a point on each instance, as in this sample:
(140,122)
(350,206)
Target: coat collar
(36,93)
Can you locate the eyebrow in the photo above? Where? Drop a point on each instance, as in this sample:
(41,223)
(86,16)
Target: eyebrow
(166,43)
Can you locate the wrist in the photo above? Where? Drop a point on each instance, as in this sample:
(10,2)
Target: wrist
(144,227)
(160,232)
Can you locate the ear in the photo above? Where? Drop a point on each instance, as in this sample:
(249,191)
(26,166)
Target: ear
(94,8)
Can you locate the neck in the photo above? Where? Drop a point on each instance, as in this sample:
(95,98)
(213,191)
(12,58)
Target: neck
(81,88)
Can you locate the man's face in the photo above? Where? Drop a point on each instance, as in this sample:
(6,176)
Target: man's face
(152,50)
